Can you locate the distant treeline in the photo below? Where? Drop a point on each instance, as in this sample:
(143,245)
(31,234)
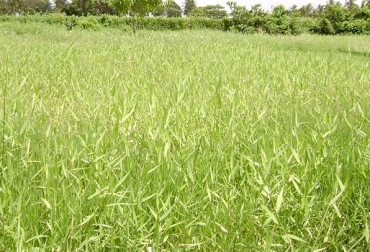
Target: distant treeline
(332,18)
(329,19)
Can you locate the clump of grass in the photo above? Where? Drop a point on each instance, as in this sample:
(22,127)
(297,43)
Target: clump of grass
(192,140)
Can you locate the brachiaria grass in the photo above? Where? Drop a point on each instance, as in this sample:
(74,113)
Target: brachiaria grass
(192,140)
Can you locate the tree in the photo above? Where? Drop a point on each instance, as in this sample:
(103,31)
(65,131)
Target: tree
(170,9)
(363,13)
(257,10)
(78,7)
(365,3)
(238,12)
(231,5)
(326,27)
(59,5)
(9,6)
(209,11)
(319,10)
(306,10)
(188,6)
(36,6)
(137,9)
(24,6)
(331,2)
(294,10)
(279,11)
(351,4)
(258,18)
(100,7)
(336,15)
(279,22)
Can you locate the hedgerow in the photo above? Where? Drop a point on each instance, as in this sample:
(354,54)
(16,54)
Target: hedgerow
(335,20)
(97,22)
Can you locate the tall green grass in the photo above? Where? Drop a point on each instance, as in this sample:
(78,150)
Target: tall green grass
(177,141)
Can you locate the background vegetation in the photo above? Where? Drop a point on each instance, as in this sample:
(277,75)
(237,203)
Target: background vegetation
(184,140)
(332,18)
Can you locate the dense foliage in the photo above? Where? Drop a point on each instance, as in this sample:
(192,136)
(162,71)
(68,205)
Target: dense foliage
(210,11)
(329,19)
(169,9)
(99,22)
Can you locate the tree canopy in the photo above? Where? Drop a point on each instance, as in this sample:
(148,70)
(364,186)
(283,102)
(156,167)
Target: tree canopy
(209,11)
(188,6)
(169,9)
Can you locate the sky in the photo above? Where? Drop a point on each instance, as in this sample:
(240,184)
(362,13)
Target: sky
(266,4)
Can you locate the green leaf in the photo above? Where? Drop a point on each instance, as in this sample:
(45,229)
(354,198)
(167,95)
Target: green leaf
(155,215)
(223,229)
(367,235)
(270,214)
(329,132)
(296,156)
(292,237)
(87,219)
(125,117)
(46,203)
(318,250)
(279,200)
(336,198)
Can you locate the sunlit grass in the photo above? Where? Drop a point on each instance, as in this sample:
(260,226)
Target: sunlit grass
(192,140)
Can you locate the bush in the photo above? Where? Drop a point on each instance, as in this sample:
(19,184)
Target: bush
(70,23)
(336,15)
(118,21)
(295,26)
(335,21)
(72,10)
(257,22)
(308,24)
(201,23)
(277,25)
(163,23)
(227,23)
(53,19)
(89,23)
(325,27)
(247,29)
(356,26)
(363,13)
(105,21)
(6,18)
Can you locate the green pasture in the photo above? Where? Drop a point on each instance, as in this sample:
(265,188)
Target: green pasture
(183,141)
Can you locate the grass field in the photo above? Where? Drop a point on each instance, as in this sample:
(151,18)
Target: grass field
(177,141)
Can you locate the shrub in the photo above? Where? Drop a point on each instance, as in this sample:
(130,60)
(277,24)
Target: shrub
(336,15)
(295,26)
(277,25)
(334,21)
(105,21)
(356,26)
(308,24)
(70,23)
(89,23)
(6,18)
(247,29)
(325,27)
(200,23)
(163,23)
(227,23)
(257,22)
